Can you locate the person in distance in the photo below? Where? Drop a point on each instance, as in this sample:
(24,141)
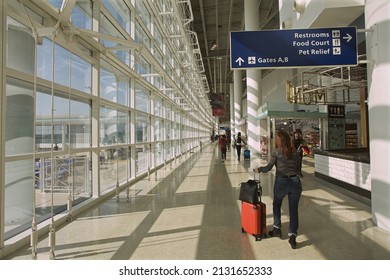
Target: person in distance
(239,142)
(298,143)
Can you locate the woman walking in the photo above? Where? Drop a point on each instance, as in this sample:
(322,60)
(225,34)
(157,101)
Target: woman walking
(238,142)
(287,182)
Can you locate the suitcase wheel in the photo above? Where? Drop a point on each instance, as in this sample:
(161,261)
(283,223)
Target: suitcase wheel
(258,237)
(242,230)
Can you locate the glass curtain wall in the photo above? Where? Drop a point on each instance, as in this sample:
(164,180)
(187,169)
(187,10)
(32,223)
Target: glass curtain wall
(58,87)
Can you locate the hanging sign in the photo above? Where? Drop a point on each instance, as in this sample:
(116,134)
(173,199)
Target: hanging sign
(293,48)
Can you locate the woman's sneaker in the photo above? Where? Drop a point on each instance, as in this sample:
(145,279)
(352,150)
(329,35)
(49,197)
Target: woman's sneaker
(275,232)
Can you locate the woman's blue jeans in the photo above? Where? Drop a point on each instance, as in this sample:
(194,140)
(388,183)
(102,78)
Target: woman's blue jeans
(291,187)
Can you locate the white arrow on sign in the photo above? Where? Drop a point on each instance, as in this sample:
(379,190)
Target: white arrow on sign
(348,37)
(239,60)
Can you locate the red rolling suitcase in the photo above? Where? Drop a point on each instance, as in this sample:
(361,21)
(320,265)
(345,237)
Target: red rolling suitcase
(253,218)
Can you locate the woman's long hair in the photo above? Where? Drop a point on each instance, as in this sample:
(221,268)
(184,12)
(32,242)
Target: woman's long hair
(285,144)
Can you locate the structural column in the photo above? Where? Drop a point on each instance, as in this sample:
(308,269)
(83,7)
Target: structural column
(253,79)
(3,25)
(237,77)
(377,13)
(231,100)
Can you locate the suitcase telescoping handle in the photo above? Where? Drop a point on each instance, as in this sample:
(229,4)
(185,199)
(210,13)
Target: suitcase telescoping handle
(259,193)
(254,175)
(259,188)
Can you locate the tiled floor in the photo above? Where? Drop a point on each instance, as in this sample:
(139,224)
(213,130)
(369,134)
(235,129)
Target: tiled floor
(193,213)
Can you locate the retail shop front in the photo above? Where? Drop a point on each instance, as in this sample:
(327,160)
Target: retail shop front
(344,159)
(305,119)
(330,134)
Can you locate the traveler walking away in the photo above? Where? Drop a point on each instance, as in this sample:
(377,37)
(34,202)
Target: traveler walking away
(222,144)
(239,142)
(298,145)
(287,182)
(228,139)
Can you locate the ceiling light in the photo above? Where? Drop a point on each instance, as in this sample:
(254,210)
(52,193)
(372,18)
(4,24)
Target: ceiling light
(214,45)
(299,6)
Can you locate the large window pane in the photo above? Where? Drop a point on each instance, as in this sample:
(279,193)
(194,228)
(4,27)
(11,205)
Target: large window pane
(80,124)
(158,55)
(81,177)
(158,107)
(19,188)
(176,131)
(108,85)
(123,128)
(120,12)
(142,66)
(158,81)
(44,59)
(142,126)
(124,157)
(168,150)
(19,118)
(68,177)
(159,39)
(176,147)
(108,169)
(143,14)
(123,93)
(81,74)
(61,65)
(114,166)
(168,113)
(177,116)
(142,37)
(158,129)
(61,176)
(159,153)
(82,14)
(106,27)
(168,129)
(45,125)
(43,122)
(108,126)
(69,70)
(142,157)
(20,47)
(142,99)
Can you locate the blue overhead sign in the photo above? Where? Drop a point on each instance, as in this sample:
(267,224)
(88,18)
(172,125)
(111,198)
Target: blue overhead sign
(293,48)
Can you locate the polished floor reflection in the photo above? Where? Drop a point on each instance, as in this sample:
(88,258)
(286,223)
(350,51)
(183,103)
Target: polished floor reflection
(190,211)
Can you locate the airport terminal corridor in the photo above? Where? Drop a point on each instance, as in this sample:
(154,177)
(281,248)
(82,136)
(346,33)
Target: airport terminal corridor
(190,211)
